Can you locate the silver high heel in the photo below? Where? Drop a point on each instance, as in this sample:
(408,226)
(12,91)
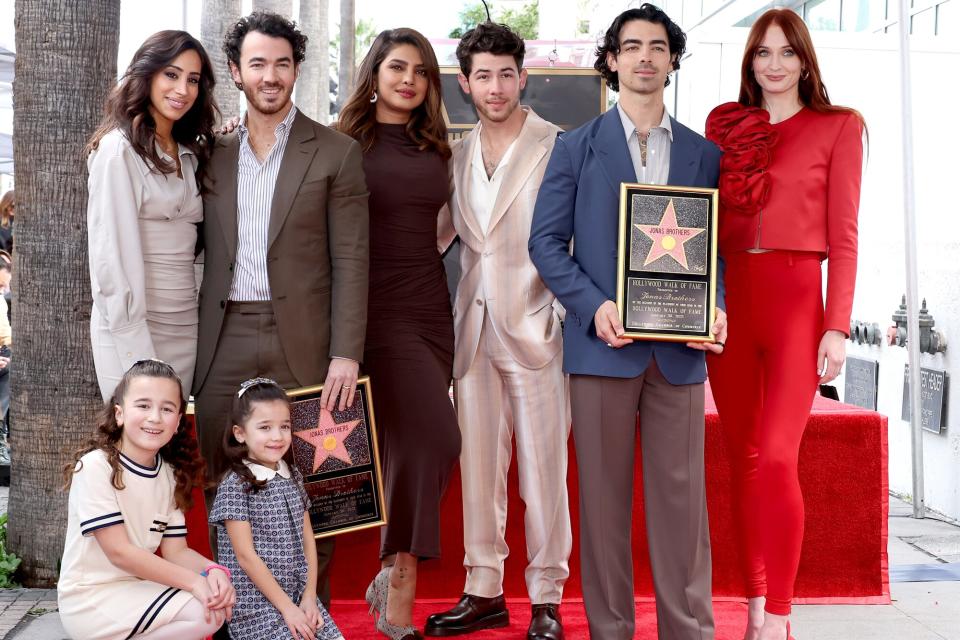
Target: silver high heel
(395,632)
(376,595)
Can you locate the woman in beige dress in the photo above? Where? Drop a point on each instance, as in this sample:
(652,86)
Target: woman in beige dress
(144,207)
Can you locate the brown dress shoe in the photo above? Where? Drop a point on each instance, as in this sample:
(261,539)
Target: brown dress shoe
(472,613)
(545,623)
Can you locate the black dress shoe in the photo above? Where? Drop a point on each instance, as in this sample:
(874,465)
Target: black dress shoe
(545,623)
(472,613)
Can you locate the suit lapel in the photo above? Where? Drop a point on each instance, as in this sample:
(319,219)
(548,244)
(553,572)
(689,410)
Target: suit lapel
(610,146)
(463,180)
(528,150)
(226,189)
(301,147)
(684,157)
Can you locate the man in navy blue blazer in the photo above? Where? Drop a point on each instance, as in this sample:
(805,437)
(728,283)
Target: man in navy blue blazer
(613,378)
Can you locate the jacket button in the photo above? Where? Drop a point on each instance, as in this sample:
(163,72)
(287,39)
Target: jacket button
(479,302)
(223,304)
(230,267)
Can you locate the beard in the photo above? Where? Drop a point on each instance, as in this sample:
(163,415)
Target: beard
(261,103)
(498,116)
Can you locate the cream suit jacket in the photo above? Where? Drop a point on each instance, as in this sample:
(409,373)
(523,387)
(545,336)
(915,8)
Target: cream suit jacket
(496,274)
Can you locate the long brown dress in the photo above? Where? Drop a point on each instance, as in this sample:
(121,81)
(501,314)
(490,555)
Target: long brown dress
(409,346)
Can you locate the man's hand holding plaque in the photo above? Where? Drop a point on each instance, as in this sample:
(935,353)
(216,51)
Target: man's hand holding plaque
(666,268)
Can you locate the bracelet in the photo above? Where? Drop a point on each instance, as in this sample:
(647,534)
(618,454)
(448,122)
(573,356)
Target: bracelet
(214,565)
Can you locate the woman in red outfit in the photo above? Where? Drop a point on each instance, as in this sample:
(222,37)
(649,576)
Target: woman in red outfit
(789,194)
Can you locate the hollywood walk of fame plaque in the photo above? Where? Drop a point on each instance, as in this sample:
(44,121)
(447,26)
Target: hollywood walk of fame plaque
(336,452)
(667,262)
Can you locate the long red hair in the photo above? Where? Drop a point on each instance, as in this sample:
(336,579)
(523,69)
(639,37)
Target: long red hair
(813,93)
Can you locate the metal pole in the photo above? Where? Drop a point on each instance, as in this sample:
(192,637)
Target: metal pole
(910,253)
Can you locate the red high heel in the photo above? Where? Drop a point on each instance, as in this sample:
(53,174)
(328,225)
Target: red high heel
(789,637)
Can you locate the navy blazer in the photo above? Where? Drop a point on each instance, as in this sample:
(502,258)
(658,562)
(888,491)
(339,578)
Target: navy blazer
(579,199)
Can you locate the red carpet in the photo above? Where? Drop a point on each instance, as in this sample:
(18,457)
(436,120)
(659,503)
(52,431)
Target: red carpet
(843,471)
(352,618)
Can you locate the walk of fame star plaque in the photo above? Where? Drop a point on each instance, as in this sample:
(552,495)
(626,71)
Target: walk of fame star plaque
(667,262)
(336,452)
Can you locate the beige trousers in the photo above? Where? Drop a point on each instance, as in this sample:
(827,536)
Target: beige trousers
(498,401)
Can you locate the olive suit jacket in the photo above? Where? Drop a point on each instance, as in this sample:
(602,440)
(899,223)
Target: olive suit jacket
(317,250)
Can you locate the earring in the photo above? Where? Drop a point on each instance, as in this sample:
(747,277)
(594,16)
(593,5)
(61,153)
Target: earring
(805,74)
(374,97)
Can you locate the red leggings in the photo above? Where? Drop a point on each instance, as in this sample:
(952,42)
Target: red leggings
(764,383)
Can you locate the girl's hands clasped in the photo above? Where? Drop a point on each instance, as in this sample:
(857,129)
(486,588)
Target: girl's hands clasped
(300,626)
(223,595)
(310,609)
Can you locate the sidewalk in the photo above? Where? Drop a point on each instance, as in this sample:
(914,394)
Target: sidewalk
(920,610)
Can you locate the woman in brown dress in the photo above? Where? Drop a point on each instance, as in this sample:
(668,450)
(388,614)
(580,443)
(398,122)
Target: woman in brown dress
(395,115)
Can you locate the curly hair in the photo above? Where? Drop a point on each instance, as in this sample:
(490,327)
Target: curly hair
(127,107)
(244,401)
(489,37)
(181,453)
(426,127)
(269,24)
(676,40)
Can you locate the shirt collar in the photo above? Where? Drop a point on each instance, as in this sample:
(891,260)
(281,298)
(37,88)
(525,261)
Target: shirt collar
(629,127)
(261,472)
(477,161)
(281,129)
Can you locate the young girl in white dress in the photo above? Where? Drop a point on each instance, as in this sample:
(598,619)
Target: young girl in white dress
(129,489)
(263,527)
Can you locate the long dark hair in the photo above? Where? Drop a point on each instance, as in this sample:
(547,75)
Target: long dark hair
(180,453)
(250,393)
(426,127)
(127,107)
(813,93)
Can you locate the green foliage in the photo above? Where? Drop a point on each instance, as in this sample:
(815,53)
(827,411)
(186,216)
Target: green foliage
(524,21)
(8,561)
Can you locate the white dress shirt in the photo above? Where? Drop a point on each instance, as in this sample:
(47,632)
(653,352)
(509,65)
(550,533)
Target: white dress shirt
(483,190)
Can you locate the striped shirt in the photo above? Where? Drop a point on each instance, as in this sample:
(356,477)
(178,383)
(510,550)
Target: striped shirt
(255,185)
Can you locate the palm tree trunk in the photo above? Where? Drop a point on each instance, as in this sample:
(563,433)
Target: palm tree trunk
(283,7)
(313,87)
(217,17)
(66,64)
(348,61)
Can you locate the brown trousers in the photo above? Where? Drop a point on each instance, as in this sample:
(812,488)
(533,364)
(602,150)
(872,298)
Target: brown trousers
(249,346)
(672,435)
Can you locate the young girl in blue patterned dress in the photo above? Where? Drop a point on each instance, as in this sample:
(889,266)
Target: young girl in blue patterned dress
(263,527)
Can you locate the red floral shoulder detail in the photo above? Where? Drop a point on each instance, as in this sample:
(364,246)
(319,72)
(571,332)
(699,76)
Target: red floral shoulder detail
(747,138)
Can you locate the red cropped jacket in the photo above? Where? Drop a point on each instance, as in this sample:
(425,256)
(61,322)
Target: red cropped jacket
(793,186)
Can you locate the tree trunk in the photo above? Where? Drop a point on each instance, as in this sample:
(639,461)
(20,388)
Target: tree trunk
(217,17)
(283,7)
(313,87)
(348,63)
(66,64)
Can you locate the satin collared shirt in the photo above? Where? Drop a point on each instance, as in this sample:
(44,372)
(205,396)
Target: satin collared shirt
(657,169)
